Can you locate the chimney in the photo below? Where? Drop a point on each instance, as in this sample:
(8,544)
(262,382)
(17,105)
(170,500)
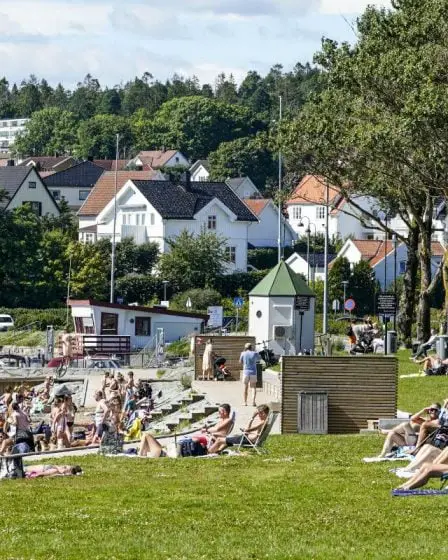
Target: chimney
(187,180)
(10,163)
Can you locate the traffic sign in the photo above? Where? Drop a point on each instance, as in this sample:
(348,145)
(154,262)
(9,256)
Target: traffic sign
(349,304)
(386,304)
(238,301)
(336,305)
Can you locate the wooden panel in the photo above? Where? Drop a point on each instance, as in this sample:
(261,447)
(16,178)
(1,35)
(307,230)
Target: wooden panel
(229,347)
(359,389)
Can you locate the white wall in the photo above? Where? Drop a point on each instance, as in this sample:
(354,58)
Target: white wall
(200,174)
(265,232)
(38,194)
(247,189)
(71,195)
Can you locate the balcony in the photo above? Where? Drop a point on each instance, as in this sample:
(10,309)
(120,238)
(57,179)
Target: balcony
(137,233)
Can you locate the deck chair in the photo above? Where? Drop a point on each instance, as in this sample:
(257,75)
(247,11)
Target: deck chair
(257,445)
(443,480)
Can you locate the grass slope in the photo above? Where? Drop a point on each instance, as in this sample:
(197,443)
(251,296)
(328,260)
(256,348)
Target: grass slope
(311,497)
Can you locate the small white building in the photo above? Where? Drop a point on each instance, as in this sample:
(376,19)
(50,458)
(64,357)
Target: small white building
(200,170)
(316,266)
(265,233)
(137,322)
(9,129)
(281,311)
(244,187)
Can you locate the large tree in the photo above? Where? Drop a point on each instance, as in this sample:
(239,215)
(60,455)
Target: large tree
(97,136)
(380,127)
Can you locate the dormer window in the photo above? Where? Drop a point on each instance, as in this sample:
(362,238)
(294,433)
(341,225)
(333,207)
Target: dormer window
(211,223)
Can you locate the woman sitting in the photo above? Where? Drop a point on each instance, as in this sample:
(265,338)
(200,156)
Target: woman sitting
(427,471)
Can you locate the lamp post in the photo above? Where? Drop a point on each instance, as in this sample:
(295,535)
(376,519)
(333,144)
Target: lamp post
(112,264)
(345,284)
(394,241)
(325,309)
(164,282)
(280,188)
(308,232)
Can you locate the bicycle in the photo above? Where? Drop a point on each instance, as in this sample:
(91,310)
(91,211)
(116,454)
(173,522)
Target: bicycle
(267,355)
(62,368)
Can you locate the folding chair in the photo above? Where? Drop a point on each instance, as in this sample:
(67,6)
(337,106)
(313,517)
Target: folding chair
(257,444)
(443,479)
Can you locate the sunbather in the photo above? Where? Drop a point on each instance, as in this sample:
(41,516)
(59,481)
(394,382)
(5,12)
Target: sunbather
(221,429)
(39,471)
(249,435)
(427,471)
(406,432)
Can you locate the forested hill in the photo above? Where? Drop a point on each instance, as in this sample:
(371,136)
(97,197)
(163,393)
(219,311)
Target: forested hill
(228,122)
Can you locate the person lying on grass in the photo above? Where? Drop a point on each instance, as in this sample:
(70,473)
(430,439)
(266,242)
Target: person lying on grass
(249,435)
(428,470)
(39,471)
(406,432)
(150,447)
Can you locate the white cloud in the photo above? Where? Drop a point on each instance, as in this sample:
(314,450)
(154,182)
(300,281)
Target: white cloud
(349,6)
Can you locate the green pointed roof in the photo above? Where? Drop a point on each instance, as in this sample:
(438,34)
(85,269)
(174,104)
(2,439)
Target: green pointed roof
(282,281)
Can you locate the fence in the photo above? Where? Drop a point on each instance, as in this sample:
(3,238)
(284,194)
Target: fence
(230,347)
(359,389)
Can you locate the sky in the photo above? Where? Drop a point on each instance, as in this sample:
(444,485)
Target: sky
(116,40)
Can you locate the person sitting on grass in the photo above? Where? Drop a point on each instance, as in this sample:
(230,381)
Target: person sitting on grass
(406,432)
(433,365)
(428,470)
(249,435)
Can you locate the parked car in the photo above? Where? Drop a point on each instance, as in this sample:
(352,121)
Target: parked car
(83,362)
(6,322)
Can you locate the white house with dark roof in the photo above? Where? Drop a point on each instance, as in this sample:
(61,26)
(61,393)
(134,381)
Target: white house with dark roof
(148,160)
(265,233)
(23,185)
(75,183)
(200,170)
(244,187)
(314,265)
(160,210)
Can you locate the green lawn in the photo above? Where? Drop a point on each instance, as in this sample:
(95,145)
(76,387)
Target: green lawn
(310,497)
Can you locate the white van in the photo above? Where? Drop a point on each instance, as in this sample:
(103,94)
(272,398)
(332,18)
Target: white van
(6,322)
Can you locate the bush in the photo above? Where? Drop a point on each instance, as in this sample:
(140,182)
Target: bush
(200,299)
(239,283)
(39,319)
(178,349)
(186,381)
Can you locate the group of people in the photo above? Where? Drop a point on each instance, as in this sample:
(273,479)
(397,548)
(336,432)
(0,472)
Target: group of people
(427,430)
(364,338)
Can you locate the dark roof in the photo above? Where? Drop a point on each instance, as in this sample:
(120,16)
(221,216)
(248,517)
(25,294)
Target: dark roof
(11,179)
(45,163)
(174,201)
(235,182)
(85,174)
(320,258)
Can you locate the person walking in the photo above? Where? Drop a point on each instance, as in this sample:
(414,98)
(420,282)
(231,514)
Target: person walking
(249,359)
(207,361)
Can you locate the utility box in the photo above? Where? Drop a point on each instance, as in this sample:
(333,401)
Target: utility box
(259,376)
(442,347)
(312,412)
(391,342)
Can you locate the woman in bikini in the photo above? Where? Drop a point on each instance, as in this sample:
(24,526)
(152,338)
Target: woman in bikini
(39,471)
(59,424)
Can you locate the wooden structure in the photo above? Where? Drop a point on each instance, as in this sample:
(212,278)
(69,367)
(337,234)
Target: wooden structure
(359,389)
(229,347)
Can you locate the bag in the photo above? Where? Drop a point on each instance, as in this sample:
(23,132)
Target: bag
(440,439)
(11,467)
(111,443)
(190,448)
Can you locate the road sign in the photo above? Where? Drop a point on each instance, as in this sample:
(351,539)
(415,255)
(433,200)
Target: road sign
(238,302)
(349,304)
(120,300)
(386,304)
(215,316)
(336,305)
(188,303)
(302,303)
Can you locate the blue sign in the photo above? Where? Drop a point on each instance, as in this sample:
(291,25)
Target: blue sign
(350,304)
(238,301)
(120,300)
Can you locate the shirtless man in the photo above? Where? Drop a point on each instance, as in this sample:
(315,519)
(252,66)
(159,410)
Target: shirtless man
(100,413)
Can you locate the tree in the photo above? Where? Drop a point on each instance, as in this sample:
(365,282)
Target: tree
(50,131)
(338,273)
(89,276)
(85,99)
(193,261)
(97,136)
(380,128)
(28,99)
(363,287)
(225,89)
(244,156)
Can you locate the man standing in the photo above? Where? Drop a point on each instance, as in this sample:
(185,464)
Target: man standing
(249,359)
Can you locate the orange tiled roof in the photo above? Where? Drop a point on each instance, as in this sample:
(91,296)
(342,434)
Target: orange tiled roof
(311,190)
(437,249)
(372,250)
(109,164)
(104,189)
(155,159)
(256,205)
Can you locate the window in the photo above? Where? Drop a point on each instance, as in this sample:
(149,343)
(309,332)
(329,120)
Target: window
(14,123)
(140,219)
(83,195)
(125,219)
(109,323)
(152,219)
(231,254)
(402,267)
(35,206)
(89,237)
(143,326)
(296,212)
(56,195)
(211,222)
(32,184)
(320,212)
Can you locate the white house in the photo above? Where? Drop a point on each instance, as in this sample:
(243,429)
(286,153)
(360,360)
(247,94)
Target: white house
(306,206)
(315,268)
(23,185)
(381,257)
(265,233)
(244,187)
(137,322)
(200,170)
(75,183)
(160,210)
(156,159)
(9,129)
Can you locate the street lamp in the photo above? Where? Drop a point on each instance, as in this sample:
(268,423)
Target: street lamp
(345,284)
(308,232)
(164,282)
(394,241)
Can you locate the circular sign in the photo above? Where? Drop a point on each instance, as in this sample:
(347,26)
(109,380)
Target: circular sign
(349,304)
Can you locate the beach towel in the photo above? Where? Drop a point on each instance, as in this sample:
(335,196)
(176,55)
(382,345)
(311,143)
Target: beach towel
(398,492)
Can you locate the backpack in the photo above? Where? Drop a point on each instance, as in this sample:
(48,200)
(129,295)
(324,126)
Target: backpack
(190,448)
(11,467)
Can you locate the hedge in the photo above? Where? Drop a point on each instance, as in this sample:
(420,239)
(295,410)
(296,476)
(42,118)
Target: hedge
(38,319)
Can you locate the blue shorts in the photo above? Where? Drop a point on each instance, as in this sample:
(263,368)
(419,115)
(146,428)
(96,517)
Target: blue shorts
(237,440)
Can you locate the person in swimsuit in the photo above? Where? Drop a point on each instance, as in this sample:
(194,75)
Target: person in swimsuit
(100,412)
(70,411)
(221,429)
(59,424)
(39,471)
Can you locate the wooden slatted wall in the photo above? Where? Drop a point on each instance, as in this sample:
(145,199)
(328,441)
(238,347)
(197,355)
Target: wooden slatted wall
(230,347)
(359,389)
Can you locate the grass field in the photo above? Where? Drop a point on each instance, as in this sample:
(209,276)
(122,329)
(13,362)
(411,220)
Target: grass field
(310,497)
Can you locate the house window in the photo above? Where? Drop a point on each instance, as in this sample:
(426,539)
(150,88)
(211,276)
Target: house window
(402,267)
(31,184)
(35,206)
(152,219)
(83,195)
(231,254)
(56,195)
(140,219)
(143,326)
(320,212)
(296,212)
(89,237)
(211,222)
(109,323)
